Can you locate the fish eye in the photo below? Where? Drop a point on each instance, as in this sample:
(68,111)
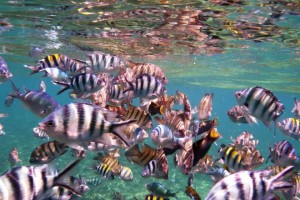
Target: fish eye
(50,123)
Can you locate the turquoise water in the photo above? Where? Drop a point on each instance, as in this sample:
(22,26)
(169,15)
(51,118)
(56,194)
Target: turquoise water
(192,64)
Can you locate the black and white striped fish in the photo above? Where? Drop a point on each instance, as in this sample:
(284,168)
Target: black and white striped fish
(260,103)
(83,83)
(255,185)
(61,193)
(78,123)
(37,101)
(296,108)
(47,152)
(290,127)
(146,86)
(284,154)
(103,170)
(126,174)
(25,183)
(60,61)
(93,181)
(104,63)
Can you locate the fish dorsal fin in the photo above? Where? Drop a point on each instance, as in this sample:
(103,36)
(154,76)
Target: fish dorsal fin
(42,86)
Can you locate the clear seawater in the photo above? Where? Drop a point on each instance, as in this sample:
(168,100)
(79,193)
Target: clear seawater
(191,66)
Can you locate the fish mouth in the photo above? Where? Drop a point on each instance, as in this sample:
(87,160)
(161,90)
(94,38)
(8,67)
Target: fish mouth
(41,126)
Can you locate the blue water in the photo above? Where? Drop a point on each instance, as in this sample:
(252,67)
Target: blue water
(236,63)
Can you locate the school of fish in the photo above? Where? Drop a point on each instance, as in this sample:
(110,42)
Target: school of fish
(107,119)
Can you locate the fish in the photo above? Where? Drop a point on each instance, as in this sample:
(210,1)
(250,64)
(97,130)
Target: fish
(296,108)
(205,126)
(143,156)
(184,158)
(126,174)
(217,173)
(60,61)
(47,152)
(39,133)
(36,51)
(1,130)
(34,182)
(160,190)
(61,193)
(116,92)
(232,158)
(75,123)
(157,168)
(142,118)
(14,157)
(204,164)
(83,83)
(148,68)
(93,181)
(205,106)
(154,197)
(8,100)
(260,103)
(55,74)
(145,86)
(103,170)
(5,75)
(110,161)
(284,154)
(37,101)
(104,63)
(245,139)
(290,127)
(202,146)
(190,191)
(250,185)
(162,136)
(237,114)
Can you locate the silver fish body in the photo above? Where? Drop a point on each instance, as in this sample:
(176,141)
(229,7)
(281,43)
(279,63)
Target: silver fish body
(153,168)
(14,157)
(80,122)
(126,174)
(37,101)
(290,127)
(260,103)
(296,108)
(284,154)
(36,51)
(5,75)
(146,86)
(28,183)
(55,74)
(217,173)
(83,83)
(163,136)
(255,185)
(101,62)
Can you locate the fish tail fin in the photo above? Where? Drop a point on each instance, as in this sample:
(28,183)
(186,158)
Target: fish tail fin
(118,130)
(277,184)
(66,86)
(59,180)
(34,69)
(16,92)
(131,86)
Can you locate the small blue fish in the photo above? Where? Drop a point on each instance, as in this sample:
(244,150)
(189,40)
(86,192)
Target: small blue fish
(36,51)
(37,101)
